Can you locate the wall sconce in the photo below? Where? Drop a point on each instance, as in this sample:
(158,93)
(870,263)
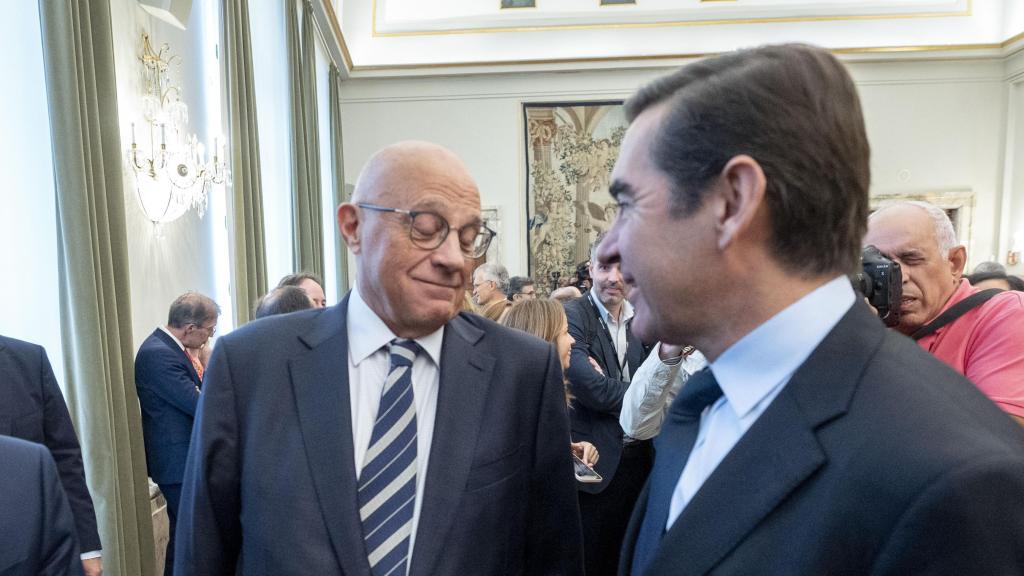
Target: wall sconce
(171,168)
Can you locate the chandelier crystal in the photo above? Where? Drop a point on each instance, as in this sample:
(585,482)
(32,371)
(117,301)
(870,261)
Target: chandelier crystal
(172,171)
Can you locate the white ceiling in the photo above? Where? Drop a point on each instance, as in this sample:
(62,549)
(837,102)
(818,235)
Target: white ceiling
(413,37)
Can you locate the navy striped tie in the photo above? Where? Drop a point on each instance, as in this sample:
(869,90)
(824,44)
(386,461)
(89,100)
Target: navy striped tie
(387,482)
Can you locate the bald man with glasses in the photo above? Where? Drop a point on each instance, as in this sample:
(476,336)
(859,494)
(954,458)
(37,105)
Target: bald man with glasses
(389,434)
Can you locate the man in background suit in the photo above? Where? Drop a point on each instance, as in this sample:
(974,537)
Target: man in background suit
(37,530)
(168,387)
(388,434)
(32,408)
(604,357)
(818,442)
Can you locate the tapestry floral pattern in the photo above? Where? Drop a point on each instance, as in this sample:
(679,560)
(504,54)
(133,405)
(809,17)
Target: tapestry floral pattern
(571,149)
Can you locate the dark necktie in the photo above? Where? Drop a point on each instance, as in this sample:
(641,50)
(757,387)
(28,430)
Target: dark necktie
(672,449)
(387,482)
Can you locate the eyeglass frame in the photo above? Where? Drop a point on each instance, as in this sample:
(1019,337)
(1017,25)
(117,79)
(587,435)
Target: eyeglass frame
(412,214)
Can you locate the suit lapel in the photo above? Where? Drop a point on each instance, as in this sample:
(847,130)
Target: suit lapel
(183,355)
(777,454)
(321,387)
(464,379)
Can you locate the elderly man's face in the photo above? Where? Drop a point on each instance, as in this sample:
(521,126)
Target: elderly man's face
(414,290)
(484,291)
(906,234)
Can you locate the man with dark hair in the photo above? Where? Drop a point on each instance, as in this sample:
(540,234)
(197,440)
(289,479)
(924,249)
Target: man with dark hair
(389,434)
(1001,280)
(818,441)
(605,353)
(283,300)
(521,288)
(168,386)
(37,530)
(309,282)
(32,408)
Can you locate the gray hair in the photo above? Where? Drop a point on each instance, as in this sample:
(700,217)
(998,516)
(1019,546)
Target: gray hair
(945,236)
(989,267)
(496,273)
(192,308)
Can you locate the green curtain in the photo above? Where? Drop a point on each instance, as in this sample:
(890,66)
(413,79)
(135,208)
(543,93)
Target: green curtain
(338,159)
(93,259)
(307,229)
(249,244)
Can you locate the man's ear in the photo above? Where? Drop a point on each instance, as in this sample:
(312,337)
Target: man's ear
(348,225)
(957,261)
(740,194)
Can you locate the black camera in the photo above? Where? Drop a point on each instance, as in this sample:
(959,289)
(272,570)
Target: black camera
(881,282)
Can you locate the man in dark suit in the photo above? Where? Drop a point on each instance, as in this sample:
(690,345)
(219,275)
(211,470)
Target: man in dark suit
(388,433)
(37,530)
(604,356)
(818,442)
(32,408)
(168,385)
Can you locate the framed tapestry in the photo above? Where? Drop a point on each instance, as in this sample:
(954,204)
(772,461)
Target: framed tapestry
(571,148)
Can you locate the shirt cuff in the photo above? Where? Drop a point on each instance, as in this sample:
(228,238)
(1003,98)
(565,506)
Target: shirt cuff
(91,555)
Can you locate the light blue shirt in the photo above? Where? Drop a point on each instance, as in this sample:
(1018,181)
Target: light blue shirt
(751,374)
(368,366)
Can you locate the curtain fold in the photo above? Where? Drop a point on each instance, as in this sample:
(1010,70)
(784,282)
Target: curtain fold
(95,299)
(306,224)
(248,243)
(338,186)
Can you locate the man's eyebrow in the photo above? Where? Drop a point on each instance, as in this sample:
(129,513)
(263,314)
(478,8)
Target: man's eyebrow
(620,188)
(910,253)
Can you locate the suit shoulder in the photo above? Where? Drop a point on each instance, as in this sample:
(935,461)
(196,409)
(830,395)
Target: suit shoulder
(277,327)
(508,339)
(19,454)
(20,347)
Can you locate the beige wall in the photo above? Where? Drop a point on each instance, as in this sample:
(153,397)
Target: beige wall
(171,258)
(933,125)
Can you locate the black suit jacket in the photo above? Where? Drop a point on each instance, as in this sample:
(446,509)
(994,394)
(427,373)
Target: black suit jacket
(271,482)
(168,388)
(598,398)
(32,408)
(37,531)
(874,459)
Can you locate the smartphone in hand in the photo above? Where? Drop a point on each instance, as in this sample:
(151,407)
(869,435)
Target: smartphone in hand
(584,473)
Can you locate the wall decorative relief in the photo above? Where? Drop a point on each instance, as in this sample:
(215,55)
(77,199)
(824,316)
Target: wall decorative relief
(571,148)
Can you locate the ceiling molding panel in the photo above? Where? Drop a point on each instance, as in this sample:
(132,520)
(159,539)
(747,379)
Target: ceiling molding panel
(440,37)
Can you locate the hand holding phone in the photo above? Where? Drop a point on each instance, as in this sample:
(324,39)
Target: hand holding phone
(584,473)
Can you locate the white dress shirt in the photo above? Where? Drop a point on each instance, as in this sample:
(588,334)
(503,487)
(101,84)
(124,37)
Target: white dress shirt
(368,365)
(173,337)
(616,329)
(652,389)
(751,374)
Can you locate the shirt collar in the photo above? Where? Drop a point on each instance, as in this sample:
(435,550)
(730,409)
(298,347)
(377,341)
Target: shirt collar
(627,309)
(367,333)
(173,337)
(766,357)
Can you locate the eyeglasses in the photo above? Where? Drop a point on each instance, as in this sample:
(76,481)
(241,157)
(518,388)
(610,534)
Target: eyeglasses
(210,330)
(428,230)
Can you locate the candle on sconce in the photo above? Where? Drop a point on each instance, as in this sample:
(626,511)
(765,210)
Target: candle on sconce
(215,149)
(163,136)
(133,133)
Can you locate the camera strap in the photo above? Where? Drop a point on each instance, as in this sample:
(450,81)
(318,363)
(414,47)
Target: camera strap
(956,311)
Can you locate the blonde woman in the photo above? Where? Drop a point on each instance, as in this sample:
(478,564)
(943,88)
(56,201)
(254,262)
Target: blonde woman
(546,319)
